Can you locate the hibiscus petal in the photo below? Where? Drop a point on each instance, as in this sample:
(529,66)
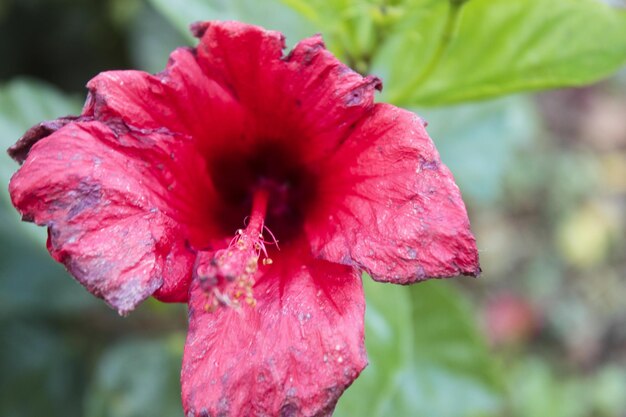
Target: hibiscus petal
(109,200)
(308,97)
(400,215)
(180,99)
(291,355)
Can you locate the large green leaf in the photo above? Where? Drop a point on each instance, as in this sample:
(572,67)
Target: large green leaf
(426,356)
(488,48)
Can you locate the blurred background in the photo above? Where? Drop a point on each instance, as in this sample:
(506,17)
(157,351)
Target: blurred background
(542,333)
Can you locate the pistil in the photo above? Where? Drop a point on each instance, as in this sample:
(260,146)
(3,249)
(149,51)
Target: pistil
(227,275)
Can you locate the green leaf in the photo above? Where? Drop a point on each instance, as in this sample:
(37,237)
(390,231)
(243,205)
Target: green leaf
(136,379)
(270,14)
(488,48)
(426,356)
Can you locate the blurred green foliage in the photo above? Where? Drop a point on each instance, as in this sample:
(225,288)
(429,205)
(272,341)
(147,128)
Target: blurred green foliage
(424,349)
(137,378)
(541,334)
(32,32)
(490,131)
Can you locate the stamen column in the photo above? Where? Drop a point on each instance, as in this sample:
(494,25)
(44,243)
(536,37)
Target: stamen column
(227,275)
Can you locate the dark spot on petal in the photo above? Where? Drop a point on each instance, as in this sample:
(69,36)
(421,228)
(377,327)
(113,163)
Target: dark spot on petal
(350,373)
(354,98)
(375,82)
(311,53)
(288,410)
(86,196)
(357,95)
(198,29)
(429,165)
(420,273)
(307,50)
(343,69)
(334,391)
(224,379)
(116,124)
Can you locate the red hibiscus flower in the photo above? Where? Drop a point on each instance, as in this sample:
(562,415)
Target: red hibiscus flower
(257,187)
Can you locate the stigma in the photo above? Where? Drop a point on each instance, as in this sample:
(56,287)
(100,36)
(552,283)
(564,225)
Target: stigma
(227,276)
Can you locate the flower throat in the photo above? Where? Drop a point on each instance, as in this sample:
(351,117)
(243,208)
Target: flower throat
(275,166)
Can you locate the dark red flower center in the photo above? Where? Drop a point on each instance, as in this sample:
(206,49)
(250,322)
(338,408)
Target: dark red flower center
(265,192)
(273,166)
